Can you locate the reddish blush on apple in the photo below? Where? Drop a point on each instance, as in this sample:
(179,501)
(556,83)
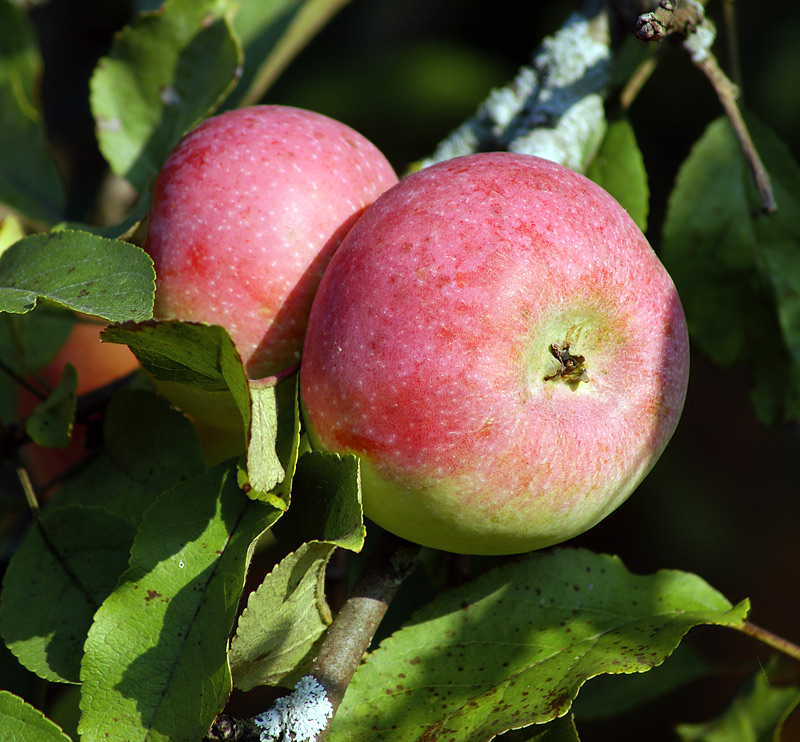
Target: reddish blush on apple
(247,211)
(499,344)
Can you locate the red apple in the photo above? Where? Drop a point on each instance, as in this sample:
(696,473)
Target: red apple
(498,343)
(247,211)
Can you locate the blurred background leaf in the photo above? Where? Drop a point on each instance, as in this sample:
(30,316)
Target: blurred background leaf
(29,180)
(163,75)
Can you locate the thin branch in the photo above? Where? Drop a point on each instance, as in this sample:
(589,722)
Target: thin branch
(687,18)
(317,696)
(637,81)
(727,93)
(350,635)
(770,639)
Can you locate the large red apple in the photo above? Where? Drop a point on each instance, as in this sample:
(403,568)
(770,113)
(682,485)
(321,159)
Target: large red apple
(247,211)
(498,343)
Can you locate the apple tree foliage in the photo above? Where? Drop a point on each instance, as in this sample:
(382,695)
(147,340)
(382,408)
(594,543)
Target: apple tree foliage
(150,591)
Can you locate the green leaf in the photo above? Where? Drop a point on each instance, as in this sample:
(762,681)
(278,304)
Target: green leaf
(29,341)
(755,714)
(29,180)
(619,168)
(54,584)
(100,483)
(147,92)
(149,441)
(264,468)
(148,448)
(156,665)
(288,612)
(191,353)
(326,503)
(737,270)
(272,32)
(283,619)
(79,271)
(50,423)
(204,358)
(513,647)
(21,722)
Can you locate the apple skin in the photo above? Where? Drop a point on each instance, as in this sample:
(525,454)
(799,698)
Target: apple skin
(247,211)
(431,353)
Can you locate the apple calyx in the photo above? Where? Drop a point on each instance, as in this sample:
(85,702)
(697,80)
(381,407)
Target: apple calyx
(570,368)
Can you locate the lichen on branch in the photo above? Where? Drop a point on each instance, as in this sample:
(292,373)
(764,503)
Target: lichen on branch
(554,107)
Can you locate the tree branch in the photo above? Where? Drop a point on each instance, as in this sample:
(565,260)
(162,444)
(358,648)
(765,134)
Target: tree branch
(687,18)
(350,635)
(305,714)
(554,106)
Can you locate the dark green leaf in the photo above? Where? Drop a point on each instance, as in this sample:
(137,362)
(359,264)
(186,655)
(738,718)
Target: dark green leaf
(162,76)
(29,180)
(54,584)
(50,423)
(619,168)
(755,714)
(21,722)
(288,612)
(105,278)
(152,443)
(737,270)
(188,353)
(197,367)
(559,730)
(513,647)
(29,341)
(326,502)
(156,664)
(100,483)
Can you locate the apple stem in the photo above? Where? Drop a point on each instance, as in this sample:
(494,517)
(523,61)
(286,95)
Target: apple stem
(268,381)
